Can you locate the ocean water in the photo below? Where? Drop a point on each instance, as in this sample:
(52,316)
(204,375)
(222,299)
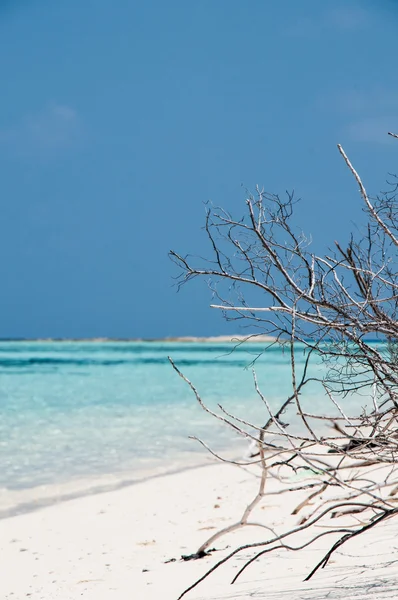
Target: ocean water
(75,410)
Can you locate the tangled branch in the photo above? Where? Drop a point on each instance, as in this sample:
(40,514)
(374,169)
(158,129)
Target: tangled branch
(329,308)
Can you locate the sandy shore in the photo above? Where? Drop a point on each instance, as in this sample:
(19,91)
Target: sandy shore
(221,339)
(116,544)
(216,339)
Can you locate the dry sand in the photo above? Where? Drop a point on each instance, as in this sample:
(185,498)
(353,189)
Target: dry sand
(114,545)
(221,339)
(217,339)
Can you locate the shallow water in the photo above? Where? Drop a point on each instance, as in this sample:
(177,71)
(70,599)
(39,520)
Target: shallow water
(75,410)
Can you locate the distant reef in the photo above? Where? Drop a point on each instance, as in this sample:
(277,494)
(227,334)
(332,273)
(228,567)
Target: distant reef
(191,339)
(221,339)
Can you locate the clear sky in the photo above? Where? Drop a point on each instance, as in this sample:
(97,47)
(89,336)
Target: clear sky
(119,119)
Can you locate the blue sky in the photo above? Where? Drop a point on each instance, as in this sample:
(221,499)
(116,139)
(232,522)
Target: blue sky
(118,120)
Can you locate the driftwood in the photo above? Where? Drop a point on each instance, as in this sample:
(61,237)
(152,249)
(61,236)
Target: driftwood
(327,307)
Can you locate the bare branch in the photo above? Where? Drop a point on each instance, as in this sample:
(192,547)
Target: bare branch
(323,312)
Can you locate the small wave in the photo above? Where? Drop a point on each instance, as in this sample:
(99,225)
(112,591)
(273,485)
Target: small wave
(24,363)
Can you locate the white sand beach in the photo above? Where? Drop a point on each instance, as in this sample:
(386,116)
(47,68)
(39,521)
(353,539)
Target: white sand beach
(254,338)
(115,545)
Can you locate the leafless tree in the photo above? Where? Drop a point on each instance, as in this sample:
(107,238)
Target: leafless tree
(263,273)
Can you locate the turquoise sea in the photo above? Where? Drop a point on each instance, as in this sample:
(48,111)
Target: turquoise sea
(74,410)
